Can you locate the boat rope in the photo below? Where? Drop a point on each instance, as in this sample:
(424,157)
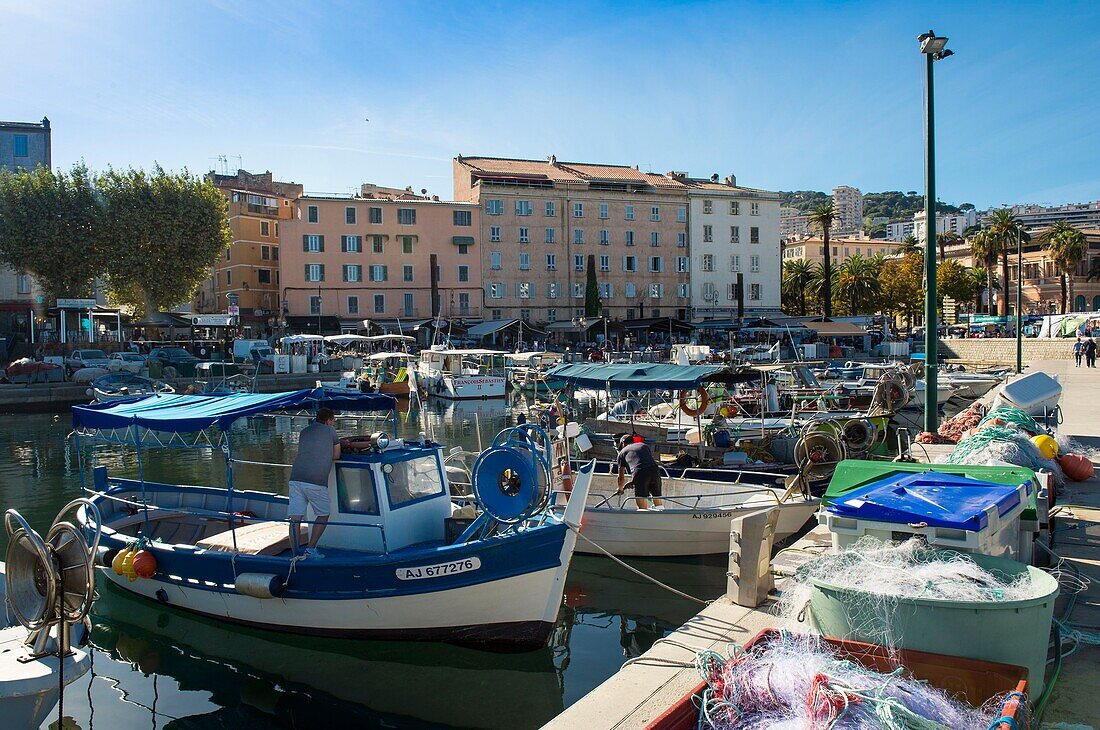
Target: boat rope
(637,572)
(261,463)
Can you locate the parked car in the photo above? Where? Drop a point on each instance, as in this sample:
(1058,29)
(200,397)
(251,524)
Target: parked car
(79,359)
(176,357)
(131,362)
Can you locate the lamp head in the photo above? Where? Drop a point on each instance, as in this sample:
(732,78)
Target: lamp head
(932,44)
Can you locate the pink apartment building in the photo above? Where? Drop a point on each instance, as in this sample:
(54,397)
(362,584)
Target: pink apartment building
(369,257)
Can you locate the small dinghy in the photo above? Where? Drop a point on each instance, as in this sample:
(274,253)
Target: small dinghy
(125,384)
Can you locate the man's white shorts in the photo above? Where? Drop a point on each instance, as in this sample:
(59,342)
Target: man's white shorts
(303,493)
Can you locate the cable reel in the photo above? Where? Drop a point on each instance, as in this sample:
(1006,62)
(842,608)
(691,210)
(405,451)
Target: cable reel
(859,435)
(511,478)
(818,451)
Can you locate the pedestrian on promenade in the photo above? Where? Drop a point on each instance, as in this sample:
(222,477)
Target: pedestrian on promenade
(318,448)
(1090,352)
(1078,351)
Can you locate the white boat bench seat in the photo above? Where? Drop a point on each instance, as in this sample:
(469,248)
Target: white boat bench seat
(260,538)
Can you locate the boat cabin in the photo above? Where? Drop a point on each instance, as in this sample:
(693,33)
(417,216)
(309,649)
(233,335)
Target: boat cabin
(457,362)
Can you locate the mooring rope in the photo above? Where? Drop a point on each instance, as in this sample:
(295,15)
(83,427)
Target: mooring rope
(637,572)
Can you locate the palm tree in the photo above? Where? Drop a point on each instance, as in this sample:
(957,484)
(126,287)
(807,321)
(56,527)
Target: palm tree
(797,275)
(1004,231)
(984,248)
(858,283)
(820,286)
(1067,246)
(822,217)
(945,239)
(909,245)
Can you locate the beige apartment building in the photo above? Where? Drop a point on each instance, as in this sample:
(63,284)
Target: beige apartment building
(542,219)
(369,257)
(848,203)
(813,249)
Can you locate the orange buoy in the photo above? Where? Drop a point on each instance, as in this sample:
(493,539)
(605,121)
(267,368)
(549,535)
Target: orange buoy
(145,564)
(1077,467)
(703,398)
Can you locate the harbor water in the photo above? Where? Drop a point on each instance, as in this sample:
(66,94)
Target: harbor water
(158,667)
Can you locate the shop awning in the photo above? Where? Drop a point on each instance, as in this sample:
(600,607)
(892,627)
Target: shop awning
(462,240)
(659,324)
(641,376)
(488,328)
(835,329)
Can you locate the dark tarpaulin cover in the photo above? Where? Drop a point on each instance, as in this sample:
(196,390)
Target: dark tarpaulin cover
(181,413)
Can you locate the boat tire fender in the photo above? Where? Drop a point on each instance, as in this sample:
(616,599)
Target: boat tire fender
(260,585)
(703,401)
(105,555)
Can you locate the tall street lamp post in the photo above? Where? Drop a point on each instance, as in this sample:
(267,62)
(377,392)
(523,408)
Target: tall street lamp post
(1019,299)
(934,49)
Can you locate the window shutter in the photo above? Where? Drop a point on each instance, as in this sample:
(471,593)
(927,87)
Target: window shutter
(305,242)
(307,272)
(385,273)
(322,271)
(321,247)
(344,246)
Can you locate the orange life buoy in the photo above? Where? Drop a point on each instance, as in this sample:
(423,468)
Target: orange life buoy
(704,401)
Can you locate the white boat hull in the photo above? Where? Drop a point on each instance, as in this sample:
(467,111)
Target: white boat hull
(466,387)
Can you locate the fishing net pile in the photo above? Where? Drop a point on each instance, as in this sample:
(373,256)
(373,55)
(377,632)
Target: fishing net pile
(955,428)
(795,682)
(883,572)
(1005,436)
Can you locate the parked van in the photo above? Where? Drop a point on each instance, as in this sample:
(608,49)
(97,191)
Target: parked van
(242,349)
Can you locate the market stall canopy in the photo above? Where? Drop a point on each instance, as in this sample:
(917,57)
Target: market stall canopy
(488,328)
(343,339)
(834,329)
(180,413)
(716,324)
(162,319)
(298,339)
(659,324)
(569,326)
(390,338)
(641,376)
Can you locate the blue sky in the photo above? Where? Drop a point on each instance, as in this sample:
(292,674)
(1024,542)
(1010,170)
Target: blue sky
(786,95)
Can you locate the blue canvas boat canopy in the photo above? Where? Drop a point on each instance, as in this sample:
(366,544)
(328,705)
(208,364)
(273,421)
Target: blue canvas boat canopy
(180,413)
(640,376)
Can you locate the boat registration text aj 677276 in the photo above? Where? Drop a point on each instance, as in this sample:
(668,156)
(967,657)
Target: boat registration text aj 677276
(435,571)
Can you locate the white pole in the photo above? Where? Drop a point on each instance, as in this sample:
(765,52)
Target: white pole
(63,334)
(32,325)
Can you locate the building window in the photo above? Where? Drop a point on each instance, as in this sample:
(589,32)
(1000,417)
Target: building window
(551,315)
(754,236)
(578,290)
(754,264)
(708,234)
(735,207)
(754,209)
(606,291)
(494,234)
(523,289)
(603,211)
(349,215)
(463,249)
(315,305)
(406,244)
(605,263)
(655,213)
(525,315)
(494,260)
(379,272)
(376,216)
(681,239)
(275,252)
(353,304)
(524,261)
(314,272)
(754,292)
(351,244)
(550,235)
(523,207)
(629,215)
(735,263)
(311,214)
(409,303)
(683,291)
(578,210)
(654,238)
(605,237)
(553,290)
(630,293)
(578,235)
(406,216)
(379,303)
(263,276)
(462,218)
(497,315)
(494,207)
(735,234)
(312,244)
(578,262)
(551,262)
(23,284)
(550,208)
(629,238)
(407,272)
(656,264)
(681,264)
(496,291)
(708,206)
(19,145)
(524,235)
(464,303)
(463,273)
(656,290)
(265,253)
(708,262)
(630,264)
(681,215)
(630,312)
(378,245)
(265,228)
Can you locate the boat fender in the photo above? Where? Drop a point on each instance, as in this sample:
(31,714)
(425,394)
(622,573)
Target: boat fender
(161,595)
(260,585)
(701,396)
(104,556)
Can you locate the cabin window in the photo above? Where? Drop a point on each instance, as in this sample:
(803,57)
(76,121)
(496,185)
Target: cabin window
(355,490)
(408,481)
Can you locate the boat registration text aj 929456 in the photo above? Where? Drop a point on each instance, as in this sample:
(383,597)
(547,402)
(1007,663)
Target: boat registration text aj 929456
(438,571)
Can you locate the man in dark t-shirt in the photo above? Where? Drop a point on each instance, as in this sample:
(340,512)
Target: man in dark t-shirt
(638,458)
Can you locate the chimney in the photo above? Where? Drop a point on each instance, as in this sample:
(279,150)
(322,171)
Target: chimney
(552,159)
(714,178)
(731,180)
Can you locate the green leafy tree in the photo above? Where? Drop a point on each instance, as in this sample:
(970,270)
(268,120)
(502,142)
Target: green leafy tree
(901,284)
(983,247)
(956,281)
(1067,246)
(909,245)
(164,232)
(797,275)
(51,226)
(1003,231)
(858,284)
(943,240)
(592,304)
(822,217)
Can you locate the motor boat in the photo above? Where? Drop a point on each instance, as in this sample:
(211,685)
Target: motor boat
(459,374)
(125,384)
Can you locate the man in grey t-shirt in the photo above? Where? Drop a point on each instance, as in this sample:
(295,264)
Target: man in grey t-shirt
(318,448)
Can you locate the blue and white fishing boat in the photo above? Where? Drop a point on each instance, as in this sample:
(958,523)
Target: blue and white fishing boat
(395,563)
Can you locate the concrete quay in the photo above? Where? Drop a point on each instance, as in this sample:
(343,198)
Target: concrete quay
(644,688)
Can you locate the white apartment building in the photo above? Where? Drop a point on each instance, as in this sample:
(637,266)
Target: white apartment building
(1040,216)
(949,223)
(793,223)
(899,230)
(734,234)
(848,204)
